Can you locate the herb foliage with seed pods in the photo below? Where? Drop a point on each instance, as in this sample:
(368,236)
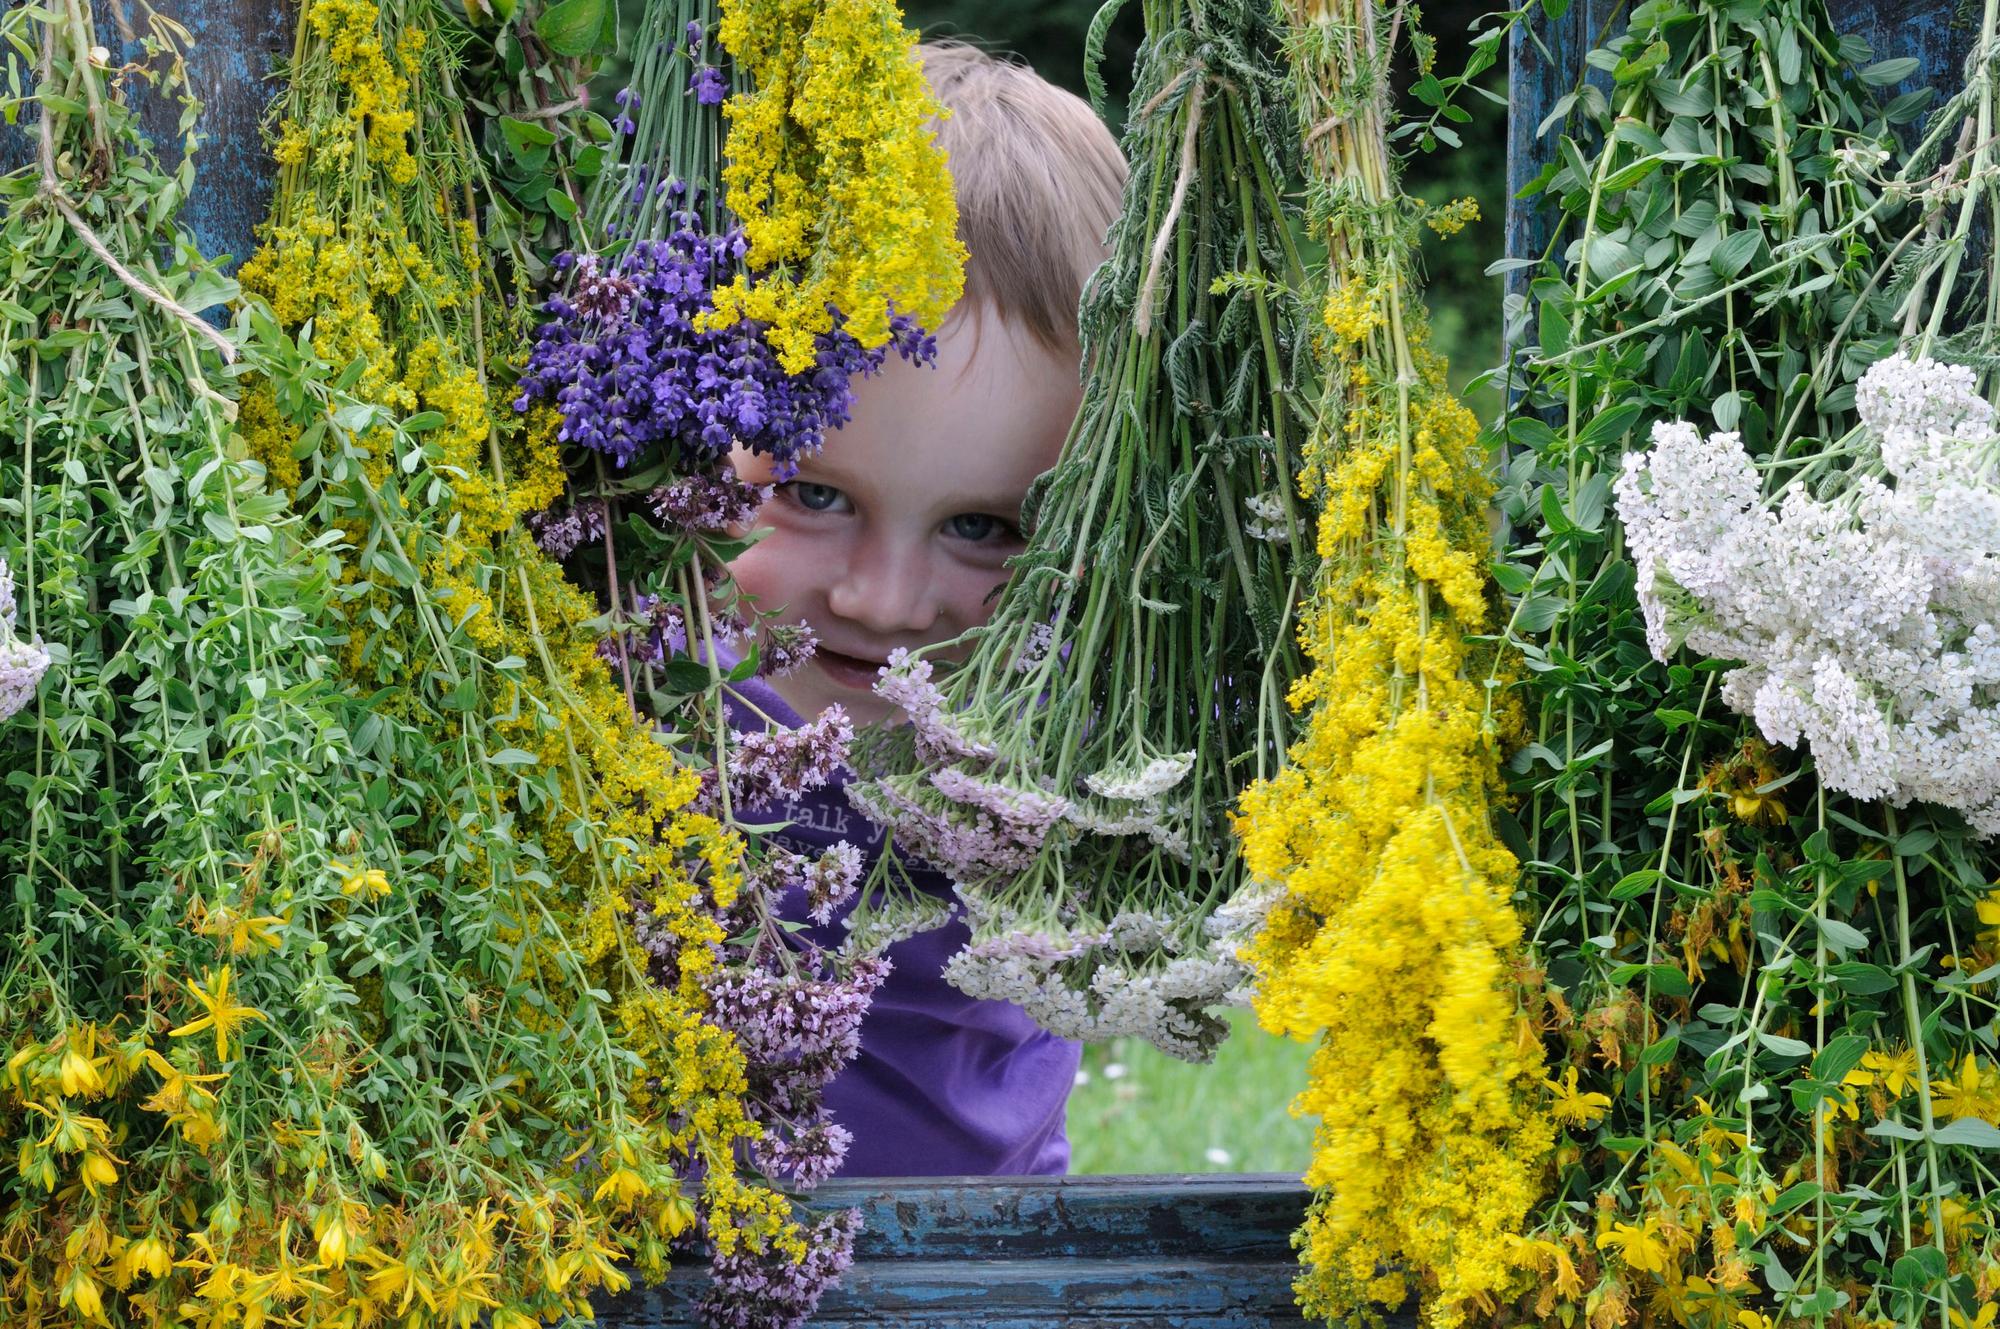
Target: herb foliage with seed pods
(1769,1003)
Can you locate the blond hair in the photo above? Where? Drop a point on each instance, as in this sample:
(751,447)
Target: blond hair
(1038,178)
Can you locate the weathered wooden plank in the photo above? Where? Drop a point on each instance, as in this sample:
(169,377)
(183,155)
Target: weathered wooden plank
(1223,1216)
(1034,1253)
(1021,1294)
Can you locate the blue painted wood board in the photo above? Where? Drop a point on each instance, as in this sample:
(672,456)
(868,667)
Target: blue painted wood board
(1156,1252)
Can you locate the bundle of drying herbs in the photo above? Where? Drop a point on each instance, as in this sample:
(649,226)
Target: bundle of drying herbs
(362,942)
(1388,935)
(1073,776)
(321,1003)
(730,268)
(1752,584)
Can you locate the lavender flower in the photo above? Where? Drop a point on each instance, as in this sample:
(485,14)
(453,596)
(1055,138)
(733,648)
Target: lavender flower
(752,1289)
(621,359)
(709,502)
(807,1155)
(787,647)
(562,531)
(796,1028)
(787,763)
(657,632)
(694,34)
(629,101)
(832,881)
(22,664)
(708,85)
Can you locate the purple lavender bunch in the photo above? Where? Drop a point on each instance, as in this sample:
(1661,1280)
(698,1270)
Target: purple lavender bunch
(708,85)
(786,763)
(621,358)
(752,1289)
(797,1030)
(787,647)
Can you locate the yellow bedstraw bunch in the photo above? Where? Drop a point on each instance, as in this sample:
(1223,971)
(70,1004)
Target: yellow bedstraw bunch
(1392,937)
(844,199)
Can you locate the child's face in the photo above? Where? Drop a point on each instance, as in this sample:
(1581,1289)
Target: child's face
(896,534)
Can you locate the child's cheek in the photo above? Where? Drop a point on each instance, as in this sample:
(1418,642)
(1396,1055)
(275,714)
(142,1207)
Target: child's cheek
(778,569)
(971,595)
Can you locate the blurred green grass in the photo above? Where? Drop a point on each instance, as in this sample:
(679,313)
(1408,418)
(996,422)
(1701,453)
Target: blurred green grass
(1135,1110)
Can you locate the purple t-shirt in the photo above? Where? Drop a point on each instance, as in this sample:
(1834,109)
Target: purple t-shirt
(944,1084)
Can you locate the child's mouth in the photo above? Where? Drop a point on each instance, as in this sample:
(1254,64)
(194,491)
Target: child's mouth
(849,671)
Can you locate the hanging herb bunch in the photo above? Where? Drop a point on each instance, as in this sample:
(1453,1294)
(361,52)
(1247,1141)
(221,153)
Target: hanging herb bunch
(1755,505)
(318,986)
(560,831)
(733,268)
(1073,776)
(1389,935)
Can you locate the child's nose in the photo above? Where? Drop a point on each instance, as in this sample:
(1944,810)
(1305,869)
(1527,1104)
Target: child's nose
(886,589)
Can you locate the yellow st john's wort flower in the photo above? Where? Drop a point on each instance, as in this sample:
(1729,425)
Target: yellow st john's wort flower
(1641,1244)
(1973,1092)
(224,1013)
(78,1073)
(1896,1072)
(1572,1107)
(358,880)
(1988,910)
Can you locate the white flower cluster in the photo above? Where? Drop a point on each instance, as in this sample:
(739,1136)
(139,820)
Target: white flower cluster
(22,664)
(1140,783)
(1144,981)
(1868,625)
(1268,520)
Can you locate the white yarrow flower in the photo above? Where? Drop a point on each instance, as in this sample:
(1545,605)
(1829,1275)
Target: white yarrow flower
(1867,623)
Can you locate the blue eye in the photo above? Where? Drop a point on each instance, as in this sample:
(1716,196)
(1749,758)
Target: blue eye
(815,498)
(975,526)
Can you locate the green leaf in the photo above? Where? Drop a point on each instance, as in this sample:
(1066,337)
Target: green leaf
(1969,1133)
(1554,325)
(1840,1055)
(1784,1047)
(1538,613)
(1552,512)
(1884,72)
(513,757)
(1844,935)
(424,420)
(1586,508)
(1635,884)
(1610,426)
(1735,252)
(1802,1193)
(1865,980)
(574,27)
(1894,1130)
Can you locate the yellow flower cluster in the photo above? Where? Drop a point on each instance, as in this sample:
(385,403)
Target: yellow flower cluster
(1394,941)
(1451,218)
(845,200)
